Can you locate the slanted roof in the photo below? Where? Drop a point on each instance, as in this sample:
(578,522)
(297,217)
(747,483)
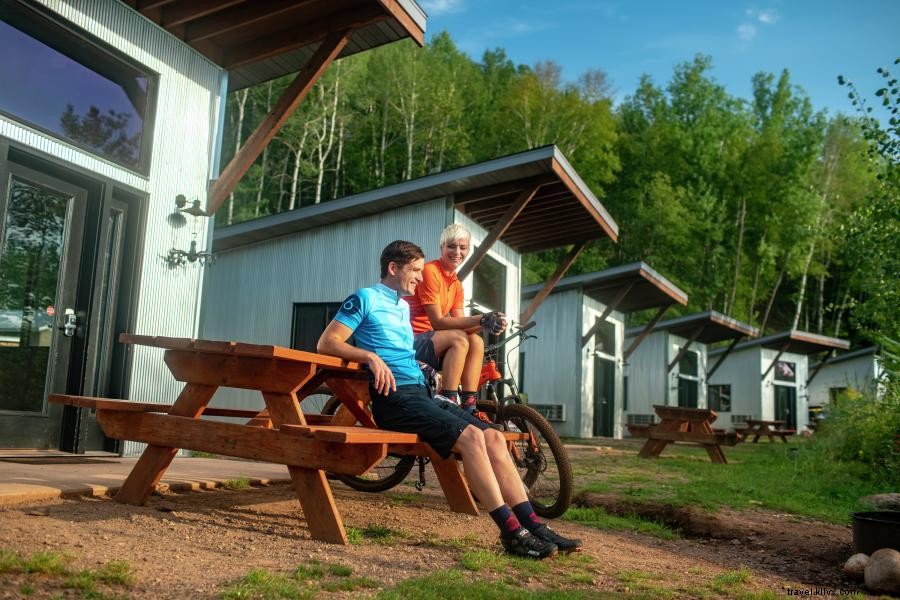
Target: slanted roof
(796,342)
(563,210)
(868,351)
(713,327)
(259,40)
(645,287)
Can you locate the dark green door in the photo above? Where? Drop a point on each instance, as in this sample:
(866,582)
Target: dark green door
(62,243)
(604,396)
(786,405)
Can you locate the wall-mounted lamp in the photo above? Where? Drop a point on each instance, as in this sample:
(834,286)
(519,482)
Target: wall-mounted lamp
(178,258)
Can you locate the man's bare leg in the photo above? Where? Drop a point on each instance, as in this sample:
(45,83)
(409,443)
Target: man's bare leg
(478,467)
(453,345)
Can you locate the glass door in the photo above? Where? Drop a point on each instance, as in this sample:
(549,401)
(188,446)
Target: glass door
(41,232)
(604,396)
(786,405)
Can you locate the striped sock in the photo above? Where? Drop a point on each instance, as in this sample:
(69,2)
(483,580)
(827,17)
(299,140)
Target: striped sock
(525,513)
(504,518)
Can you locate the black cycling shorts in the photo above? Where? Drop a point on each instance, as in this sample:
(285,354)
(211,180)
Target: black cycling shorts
(411,409)
(423,344)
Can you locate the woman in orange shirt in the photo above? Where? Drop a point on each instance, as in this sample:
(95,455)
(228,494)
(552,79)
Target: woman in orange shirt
(445,338)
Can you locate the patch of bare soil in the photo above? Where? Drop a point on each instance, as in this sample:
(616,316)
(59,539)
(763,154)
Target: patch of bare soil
(193,544)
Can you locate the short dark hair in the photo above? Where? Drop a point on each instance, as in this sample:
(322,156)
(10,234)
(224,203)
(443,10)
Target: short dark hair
(399,252)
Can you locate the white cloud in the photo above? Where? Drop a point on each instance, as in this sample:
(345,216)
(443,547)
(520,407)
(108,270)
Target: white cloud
(435,8)
(766,17)
(746,31)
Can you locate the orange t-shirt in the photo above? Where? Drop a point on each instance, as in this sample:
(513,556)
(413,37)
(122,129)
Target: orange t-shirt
(438,287)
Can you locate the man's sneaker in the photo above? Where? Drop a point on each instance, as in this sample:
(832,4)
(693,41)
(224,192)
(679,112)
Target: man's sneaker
(522,543)
(544,533)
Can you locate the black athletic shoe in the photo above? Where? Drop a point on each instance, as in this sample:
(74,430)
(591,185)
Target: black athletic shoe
(522,543)
(544,533)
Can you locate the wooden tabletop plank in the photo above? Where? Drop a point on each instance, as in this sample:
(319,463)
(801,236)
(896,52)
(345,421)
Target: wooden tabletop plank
(134,406)
(351,435)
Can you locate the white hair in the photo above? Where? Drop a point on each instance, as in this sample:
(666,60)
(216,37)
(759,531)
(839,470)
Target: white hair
(454,232)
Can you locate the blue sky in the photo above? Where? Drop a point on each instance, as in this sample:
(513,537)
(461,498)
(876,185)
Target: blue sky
(815,40)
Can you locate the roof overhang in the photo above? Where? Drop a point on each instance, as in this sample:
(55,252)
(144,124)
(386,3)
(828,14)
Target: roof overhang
(707,328)
(562,211)
(643,288)
(259,40)
(870,351)
(796,342)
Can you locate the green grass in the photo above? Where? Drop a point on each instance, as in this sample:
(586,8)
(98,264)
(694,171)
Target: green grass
(54,569)
(404,497)
(784,477)
(458,543)
(373,533)
(306,581)
(241,483)
(600,519)
(453,584)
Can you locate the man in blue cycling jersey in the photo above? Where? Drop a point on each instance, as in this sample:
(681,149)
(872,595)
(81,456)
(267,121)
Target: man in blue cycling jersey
(379,321)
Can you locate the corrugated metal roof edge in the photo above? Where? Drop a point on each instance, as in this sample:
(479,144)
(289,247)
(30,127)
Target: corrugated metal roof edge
(586,279)
(711,315)
(584,189)
(873,350)
(795,334)
(360,204)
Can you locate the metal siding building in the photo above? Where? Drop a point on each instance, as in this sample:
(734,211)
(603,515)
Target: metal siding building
(861,370)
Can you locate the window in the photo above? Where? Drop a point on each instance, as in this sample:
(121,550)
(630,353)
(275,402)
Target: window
(688,381)
(687,365)
(63,83)
(551,412)
(489,284)
(785,371)
(719,397)
(310,320)
(606,338)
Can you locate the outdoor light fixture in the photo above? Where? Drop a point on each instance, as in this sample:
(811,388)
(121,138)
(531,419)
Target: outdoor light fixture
(178,258)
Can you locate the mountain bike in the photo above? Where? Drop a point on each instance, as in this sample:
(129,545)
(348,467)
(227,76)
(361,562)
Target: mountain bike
(541,459)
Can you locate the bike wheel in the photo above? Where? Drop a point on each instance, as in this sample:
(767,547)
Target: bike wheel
(385,475)
(541,460)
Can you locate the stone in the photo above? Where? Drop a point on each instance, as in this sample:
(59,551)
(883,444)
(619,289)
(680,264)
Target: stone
(855,567)
(883,572)
(882,501)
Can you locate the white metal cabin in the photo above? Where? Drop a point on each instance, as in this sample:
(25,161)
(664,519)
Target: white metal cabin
(279,279)
(671,367)
(573,373)
(860,371)
(109,110)
(767,378)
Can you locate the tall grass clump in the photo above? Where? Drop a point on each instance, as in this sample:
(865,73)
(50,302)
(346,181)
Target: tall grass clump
(863,428)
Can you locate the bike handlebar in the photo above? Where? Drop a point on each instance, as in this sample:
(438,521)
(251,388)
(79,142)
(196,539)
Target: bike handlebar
(519,333)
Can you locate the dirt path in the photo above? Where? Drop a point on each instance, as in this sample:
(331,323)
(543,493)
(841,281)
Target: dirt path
(191,545)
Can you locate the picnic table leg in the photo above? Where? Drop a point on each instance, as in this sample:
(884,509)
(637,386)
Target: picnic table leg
(318,505)
(154,461)
(653,448)
(454,485)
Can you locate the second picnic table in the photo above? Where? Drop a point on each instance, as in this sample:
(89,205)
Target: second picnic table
(682,424)
(770,429)
(308,444)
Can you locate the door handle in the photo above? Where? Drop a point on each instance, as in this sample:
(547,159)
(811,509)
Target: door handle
(70,323)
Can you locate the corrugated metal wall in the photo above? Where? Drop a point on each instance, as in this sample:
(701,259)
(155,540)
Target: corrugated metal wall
(646,370)
(183,143)
(859,373)
(675,342)
(552,364)
(249,293)
(742,371)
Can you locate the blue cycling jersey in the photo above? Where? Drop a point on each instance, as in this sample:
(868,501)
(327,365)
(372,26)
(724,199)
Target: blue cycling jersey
(380,324)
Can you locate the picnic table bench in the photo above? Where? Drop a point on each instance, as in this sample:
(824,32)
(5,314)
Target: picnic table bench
(679,424)
(309,444)
(770,429)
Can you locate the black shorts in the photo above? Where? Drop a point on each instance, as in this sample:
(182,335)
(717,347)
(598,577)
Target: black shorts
(423,344)
(411,409)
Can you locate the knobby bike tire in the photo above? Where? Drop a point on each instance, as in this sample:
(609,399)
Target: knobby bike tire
(546,471)
(383,476)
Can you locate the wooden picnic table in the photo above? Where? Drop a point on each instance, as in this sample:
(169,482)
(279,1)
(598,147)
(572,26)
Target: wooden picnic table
(770,429)
(347,442)
(679,424)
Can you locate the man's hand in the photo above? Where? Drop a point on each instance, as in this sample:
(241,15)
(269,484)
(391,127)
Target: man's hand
(384,379)
(495,322)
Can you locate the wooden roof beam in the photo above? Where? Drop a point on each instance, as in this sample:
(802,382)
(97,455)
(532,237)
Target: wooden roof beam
(494,207)
(606,312)
(289,39)
(238,17)
(327,51)
(646,331)
(585,201)
(734,342)
(683,350)
(179,14)
(501,189)
(781,351)
(820,365)
(497,231)
(551,283)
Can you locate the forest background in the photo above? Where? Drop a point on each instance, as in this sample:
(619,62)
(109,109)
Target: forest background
(763,209)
